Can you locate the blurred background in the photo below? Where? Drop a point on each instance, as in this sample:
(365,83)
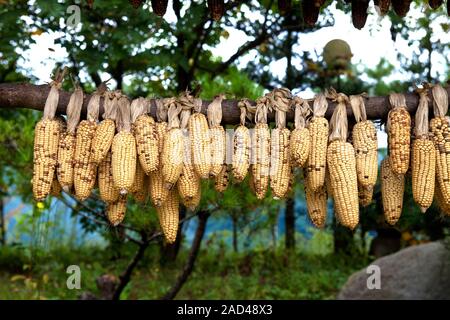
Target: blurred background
(241,248)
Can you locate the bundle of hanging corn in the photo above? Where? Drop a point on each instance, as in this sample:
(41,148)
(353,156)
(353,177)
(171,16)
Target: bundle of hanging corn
(423,157)
(46,139)
(364,136)
(341,163)
(67,140)
(280,167)
(217,136)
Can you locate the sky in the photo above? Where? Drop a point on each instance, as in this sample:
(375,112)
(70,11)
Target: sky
(368,46)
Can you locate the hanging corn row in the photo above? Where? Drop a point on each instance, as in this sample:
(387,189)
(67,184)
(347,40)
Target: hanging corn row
(130,155)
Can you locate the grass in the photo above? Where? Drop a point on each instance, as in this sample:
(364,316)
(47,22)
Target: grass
(218,274)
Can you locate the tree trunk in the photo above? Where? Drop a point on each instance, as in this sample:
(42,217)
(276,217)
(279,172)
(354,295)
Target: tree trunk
(234,220)
(2,223)
(289,222)
(343,238)
(195,248)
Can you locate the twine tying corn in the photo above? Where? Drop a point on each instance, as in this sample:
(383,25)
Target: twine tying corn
(318,131)
(46,140)
(241,145)
(280,168)
(67,140)
(261,149)
(399,133)
(300,142)
(423,158)
(342,165)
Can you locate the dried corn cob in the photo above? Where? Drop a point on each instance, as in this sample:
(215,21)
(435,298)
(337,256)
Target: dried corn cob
(442,204)
(200,143)
(108,192)
(401,7)
(146,136)
(46,139)
(359,13)
(300,142)
(159,7)
(241,146)
(139,187)
(84,168)
(382,6)
(172,154)
(318,130)
(423,162)
(441,137)
(115,211)
(123,149)
(365,143)
(399,133)
(169,216)
(222,179)
(342,166)
(189,185)
(216,8)
(316,203)
(67,141)
(104,134)
(392,189)
(217,135)
(280,168)
(158,192)
(261,149)
(365,195)
(310,9)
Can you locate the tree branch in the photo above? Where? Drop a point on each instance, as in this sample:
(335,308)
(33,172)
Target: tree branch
(24,95)
(189,267)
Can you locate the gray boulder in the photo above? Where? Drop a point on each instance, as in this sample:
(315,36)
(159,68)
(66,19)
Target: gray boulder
(418,272)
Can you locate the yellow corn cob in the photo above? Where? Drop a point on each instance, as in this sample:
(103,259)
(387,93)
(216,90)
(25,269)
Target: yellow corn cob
(84,169)
(139,187)
(241,153)
(444,206)
(200,144)
(316,203)
(392,189)
(399,134)
(161,131)
(280,169)
(115,211)
(218,148)
(300,141)
(344,184)
(365,195)
(169,216)
(440,130)
(423,172)
(46,138)
(222,179)
(318,131)
(67,141)
(172,157)
(101,143)
(261,165)
(158,193)
(108,192)
(365,142)
(217,135)
(146,138)
(123,161)
(189,185)
(341,165)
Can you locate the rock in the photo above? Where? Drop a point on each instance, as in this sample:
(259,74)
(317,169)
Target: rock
(418,272)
